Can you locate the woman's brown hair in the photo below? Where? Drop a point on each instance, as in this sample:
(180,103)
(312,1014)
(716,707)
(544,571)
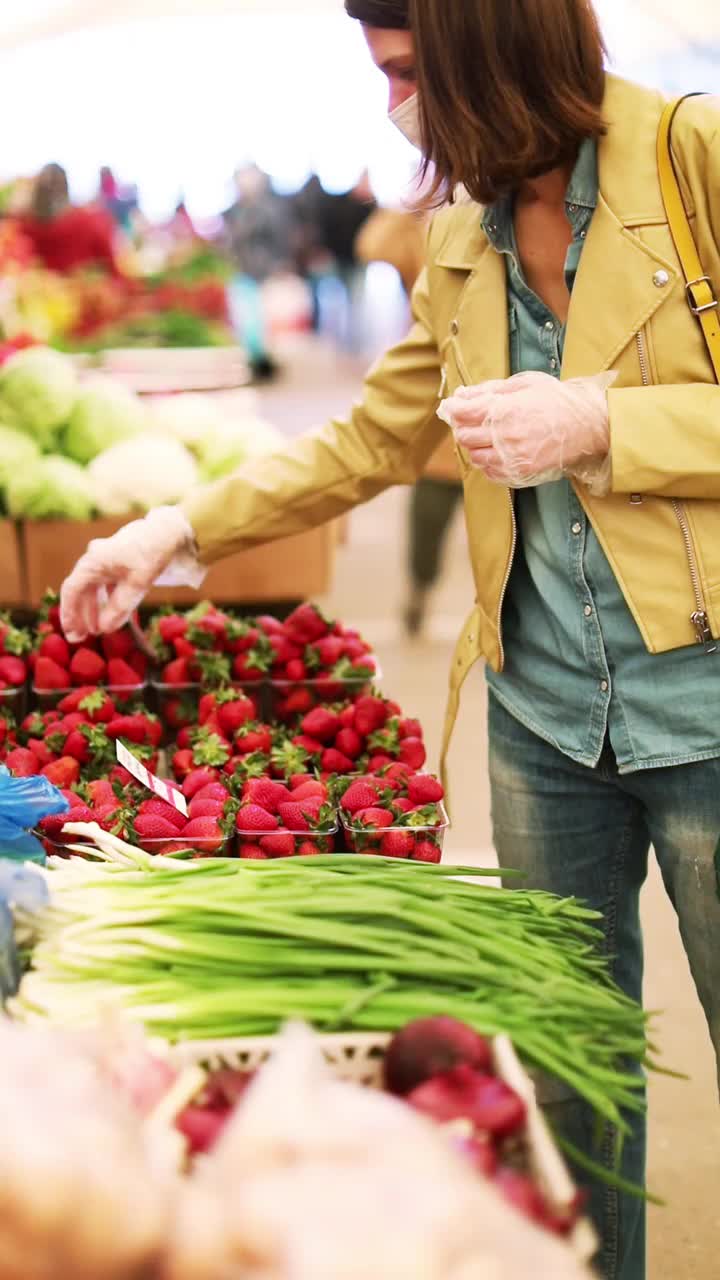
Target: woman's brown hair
(508,89)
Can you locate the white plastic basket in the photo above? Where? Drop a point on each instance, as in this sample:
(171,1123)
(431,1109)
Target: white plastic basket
(358,1057)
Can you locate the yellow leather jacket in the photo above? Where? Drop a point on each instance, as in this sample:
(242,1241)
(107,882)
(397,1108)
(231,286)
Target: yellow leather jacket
(660,525)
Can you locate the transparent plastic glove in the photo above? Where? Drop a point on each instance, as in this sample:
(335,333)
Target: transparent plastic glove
(109,581)
(530,429)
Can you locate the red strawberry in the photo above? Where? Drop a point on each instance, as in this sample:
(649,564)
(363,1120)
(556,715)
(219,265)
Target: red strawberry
(100,792)
(281,844)
(49,675)
(177,673)
(150,826)
(333,761)
(139,663)
(23,763)
(52,826)
(184,648)
(297,702)
(268,623)
(347,716)
(96,705)
(266,793)
(321,723)
(40,750)
(312,788)
(295,669)
(398,772)
(410,729)
(253,738)
(212,791)
(77,746)
(118,774)
(196,779)
(134,728)
(298,780)
(120,674)
(349,742)
(360,795)
(232,715)
(373,818)
(379,761)
(311,745)
(252,819)
(370,714)
(427,851)
(55,647)
(249,667)
(163,809)
(118,644)
(402,805)
(413,753)
(209,808)
(64,772)
(12,671)
(293,816)
(424,789)
(398,844)
(87,667)
(308,622)
(171,627)
(307,849)
(253,852)
(329,650)
(182,763)
(205,832)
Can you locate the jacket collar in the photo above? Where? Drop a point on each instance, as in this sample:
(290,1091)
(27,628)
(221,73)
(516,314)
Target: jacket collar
(629,185)
(630,197)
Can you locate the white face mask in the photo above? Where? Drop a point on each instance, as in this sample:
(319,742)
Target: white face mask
(406,118)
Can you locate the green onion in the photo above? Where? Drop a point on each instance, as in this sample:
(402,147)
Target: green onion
(217,949)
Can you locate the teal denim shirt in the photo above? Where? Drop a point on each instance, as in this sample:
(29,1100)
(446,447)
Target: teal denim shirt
(576,668)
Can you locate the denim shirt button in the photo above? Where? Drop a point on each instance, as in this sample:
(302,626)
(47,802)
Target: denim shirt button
(577,528)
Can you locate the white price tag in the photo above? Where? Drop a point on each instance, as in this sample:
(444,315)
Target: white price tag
(149,780)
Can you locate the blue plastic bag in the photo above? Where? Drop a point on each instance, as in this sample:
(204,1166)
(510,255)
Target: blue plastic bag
(23,803)
(19,887)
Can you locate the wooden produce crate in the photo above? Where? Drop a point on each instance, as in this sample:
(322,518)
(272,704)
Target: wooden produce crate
(12,567)
(290,569)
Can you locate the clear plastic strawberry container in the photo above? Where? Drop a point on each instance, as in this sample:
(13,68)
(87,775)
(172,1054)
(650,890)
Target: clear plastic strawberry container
(415,843)
(178,704)
(48,699)
(14,700)
(196,848)
(261,845)
(286,700)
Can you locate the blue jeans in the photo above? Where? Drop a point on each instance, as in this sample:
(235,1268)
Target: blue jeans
(587,832)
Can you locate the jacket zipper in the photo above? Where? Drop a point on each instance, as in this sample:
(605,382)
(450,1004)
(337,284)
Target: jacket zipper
(699,617)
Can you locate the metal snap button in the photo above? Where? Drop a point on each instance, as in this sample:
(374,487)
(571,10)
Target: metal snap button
(660,279)
(577,528)
(604,686)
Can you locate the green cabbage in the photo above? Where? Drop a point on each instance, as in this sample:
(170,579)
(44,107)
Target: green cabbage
(17,451)
(52,488)
(105,413)
(38,388)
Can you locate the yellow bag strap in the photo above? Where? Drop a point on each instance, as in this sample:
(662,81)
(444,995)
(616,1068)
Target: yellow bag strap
(698,287)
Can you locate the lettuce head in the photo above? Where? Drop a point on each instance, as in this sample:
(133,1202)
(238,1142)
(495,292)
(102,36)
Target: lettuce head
(105,413)
(50,488)
(38,388)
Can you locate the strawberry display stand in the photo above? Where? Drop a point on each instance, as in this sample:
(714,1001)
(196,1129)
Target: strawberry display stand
(358,1057)
(291,569)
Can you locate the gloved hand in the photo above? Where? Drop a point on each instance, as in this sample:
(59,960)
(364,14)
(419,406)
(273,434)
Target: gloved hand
(531,428)
(109,581)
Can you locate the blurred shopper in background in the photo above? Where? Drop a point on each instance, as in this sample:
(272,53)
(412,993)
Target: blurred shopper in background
(587,437)
(66,237)
(258,238)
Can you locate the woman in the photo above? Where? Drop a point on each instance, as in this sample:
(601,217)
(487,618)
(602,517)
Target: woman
(592,510)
